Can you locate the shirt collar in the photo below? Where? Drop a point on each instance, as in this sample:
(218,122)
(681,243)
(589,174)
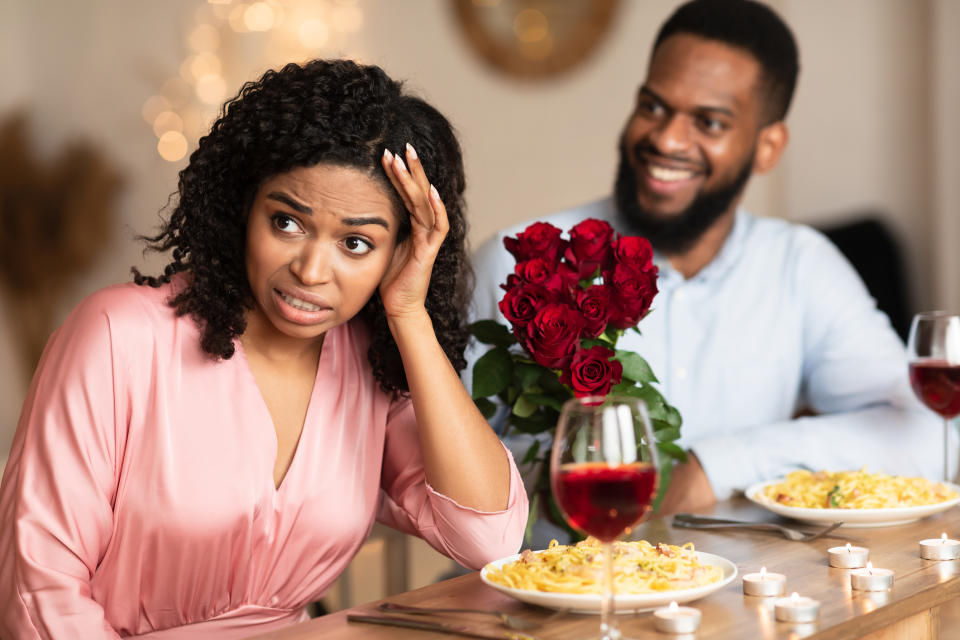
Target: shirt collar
(721,264)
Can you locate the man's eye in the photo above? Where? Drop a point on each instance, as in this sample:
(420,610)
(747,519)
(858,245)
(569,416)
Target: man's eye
(357,246)
(285,223)
(712,125)
(649,107)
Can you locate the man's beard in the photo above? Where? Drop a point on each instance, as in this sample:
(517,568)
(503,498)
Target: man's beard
(675,234)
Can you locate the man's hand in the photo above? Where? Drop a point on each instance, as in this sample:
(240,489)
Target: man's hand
(689,489)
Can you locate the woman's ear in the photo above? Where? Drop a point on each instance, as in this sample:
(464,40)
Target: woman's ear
(770,145)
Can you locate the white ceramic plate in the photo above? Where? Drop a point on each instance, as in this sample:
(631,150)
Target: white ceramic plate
(850,517)
(590,603)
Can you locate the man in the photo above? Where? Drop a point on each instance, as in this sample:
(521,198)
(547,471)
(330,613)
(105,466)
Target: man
(756,318)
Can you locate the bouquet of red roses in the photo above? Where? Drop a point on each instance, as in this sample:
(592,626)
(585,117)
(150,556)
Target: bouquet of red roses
(568,301)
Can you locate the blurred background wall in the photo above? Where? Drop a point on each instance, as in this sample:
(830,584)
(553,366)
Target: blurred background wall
(873,123)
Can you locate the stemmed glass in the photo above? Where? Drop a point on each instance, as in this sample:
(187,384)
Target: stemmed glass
(934,351)
(603,472)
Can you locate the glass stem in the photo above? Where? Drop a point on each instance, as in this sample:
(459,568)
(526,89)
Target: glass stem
(946,450)
(608,623)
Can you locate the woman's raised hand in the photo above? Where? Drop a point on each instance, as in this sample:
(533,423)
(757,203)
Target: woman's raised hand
(404,286)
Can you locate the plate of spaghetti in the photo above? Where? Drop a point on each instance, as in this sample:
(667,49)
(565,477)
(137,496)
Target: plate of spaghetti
(859,498)
(645,575)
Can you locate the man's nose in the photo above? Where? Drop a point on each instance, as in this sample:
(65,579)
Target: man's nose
(673,135)
(312,264)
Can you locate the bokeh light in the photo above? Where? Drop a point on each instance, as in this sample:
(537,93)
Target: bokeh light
(172,146)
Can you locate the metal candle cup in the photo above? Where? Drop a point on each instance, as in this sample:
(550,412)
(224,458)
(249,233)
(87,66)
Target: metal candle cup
(796,609)
(941,548)
(870,579)
(674,619)
(848,557)
(764,584)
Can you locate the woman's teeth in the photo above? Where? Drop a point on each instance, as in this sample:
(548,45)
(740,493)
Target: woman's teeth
(297,303)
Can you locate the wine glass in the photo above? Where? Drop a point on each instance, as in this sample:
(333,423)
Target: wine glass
(603,472)
(934,351)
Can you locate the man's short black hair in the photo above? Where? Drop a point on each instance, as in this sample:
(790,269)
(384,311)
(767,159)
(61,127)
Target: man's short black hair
(753,27)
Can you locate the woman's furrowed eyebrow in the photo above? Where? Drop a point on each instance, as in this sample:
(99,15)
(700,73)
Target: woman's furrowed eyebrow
(359,222)
(290,202)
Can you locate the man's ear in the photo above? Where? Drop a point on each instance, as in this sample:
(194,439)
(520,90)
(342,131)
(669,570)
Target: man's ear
(770,145)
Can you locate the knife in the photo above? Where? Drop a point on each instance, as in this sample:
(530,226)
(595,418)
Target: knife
(422,625)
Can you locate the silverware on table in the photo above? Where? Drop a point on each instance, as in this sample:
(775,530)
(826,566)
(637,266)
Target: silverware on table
(423,625)
(693,521)
(511,622)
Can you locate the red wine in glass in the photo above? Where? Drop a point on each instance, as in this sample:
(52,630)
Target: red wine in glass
(937,384)
(933,348)
(604,500)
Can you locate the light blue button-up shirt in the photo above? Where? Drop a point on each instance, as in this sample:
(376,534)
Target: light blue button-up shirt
(778,321)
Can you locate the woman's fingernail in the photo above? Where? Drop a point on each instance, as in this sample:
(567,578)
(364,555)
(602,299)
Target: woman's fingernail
(398,161)
(411,151)
(434,192)
(387,154)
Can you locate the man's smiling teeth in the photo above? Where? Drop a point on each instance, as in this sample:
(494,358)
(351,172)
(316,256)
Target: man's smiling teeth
(297,303)
(669,175)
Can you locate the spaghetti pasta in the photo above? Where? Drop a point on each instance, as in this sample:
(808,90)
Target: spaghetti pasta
(855,490)
(639,567)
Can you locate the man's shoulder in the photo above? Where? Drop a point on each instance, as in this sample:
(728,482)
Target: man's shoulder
(784,237)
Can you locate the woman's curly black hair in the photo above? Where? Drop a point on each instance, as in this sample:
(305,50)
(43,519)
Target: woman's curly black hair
(332,112)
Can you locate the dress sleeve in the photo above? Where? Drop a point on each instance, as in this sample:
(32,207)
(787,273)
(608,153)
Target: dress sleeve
(854,378)
(59,486)
(410,504)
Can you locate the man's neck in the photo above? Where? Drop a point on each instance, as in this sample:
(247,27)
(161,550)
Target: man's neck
(690,262)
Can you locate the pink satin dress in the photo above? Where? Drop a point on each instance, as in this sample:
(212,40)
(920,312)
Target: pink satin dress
(139,497)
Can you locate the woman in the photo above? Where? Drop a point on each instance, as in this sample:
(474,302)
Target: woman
(315,287)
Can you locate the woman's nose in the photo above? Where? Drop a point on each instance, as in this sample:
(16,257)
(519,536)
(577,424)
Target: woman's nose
(312,264)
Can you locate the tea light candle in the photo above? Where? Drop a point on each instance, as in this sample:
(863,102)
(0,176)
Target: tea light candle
(941,548)
(870,579)
(796,608)
(848,557)
(764,584)
(674,619)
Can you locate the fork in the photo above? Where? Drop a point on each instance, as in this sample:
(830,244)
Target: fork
(691,521)
(510,622)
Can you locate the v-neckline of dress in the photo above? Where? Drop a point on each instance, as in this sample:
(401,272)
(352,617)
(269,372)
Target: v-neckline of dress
(308,415)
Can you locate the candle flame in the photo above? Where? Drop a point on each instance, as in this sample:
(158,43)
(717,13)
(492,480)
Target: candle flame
(795,598)
(849,548)
(763,572)
(870,568)
(943,537)
(673,607)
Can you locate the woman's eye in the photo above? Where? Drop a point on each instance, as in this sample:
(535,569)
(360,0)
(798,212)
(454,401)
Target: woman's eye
(285,223)
(357,246)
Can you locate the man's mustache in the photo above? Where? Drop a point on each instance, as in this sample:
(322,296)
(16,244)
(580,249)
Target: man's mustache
(644,150)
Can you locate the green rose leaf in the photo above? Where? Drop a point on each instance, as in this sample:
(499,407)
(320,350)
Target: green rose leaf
(532,452)
(635,367)
(527,374)
(537,423)
(492,373)
(486,407)
(525,406)
(492,332)
(543,399)
(672,450)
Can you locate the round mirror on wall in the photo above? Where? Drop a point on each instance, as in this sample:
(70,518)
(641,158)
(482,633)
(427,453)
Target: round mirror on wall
(534,38)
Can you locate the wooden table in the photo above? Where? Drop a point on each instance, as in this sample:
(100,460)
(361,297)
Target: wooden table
(909,611)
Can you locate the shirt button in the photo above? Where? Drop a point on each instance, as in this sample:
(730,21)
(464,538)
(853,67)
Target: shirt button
(680,295)
(681,374)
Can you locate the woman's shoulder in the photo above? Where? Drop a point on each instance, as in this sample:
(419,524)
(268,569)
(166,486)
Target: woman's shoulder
(126,308)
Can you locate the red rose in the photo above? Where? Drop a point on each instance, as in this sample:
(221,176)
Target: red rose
(589,246)
(594,304)
(633,250)
(534,270)
(632,291)
(592,372)
(521,304)
(539,240)
(564,283)
(553,335)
